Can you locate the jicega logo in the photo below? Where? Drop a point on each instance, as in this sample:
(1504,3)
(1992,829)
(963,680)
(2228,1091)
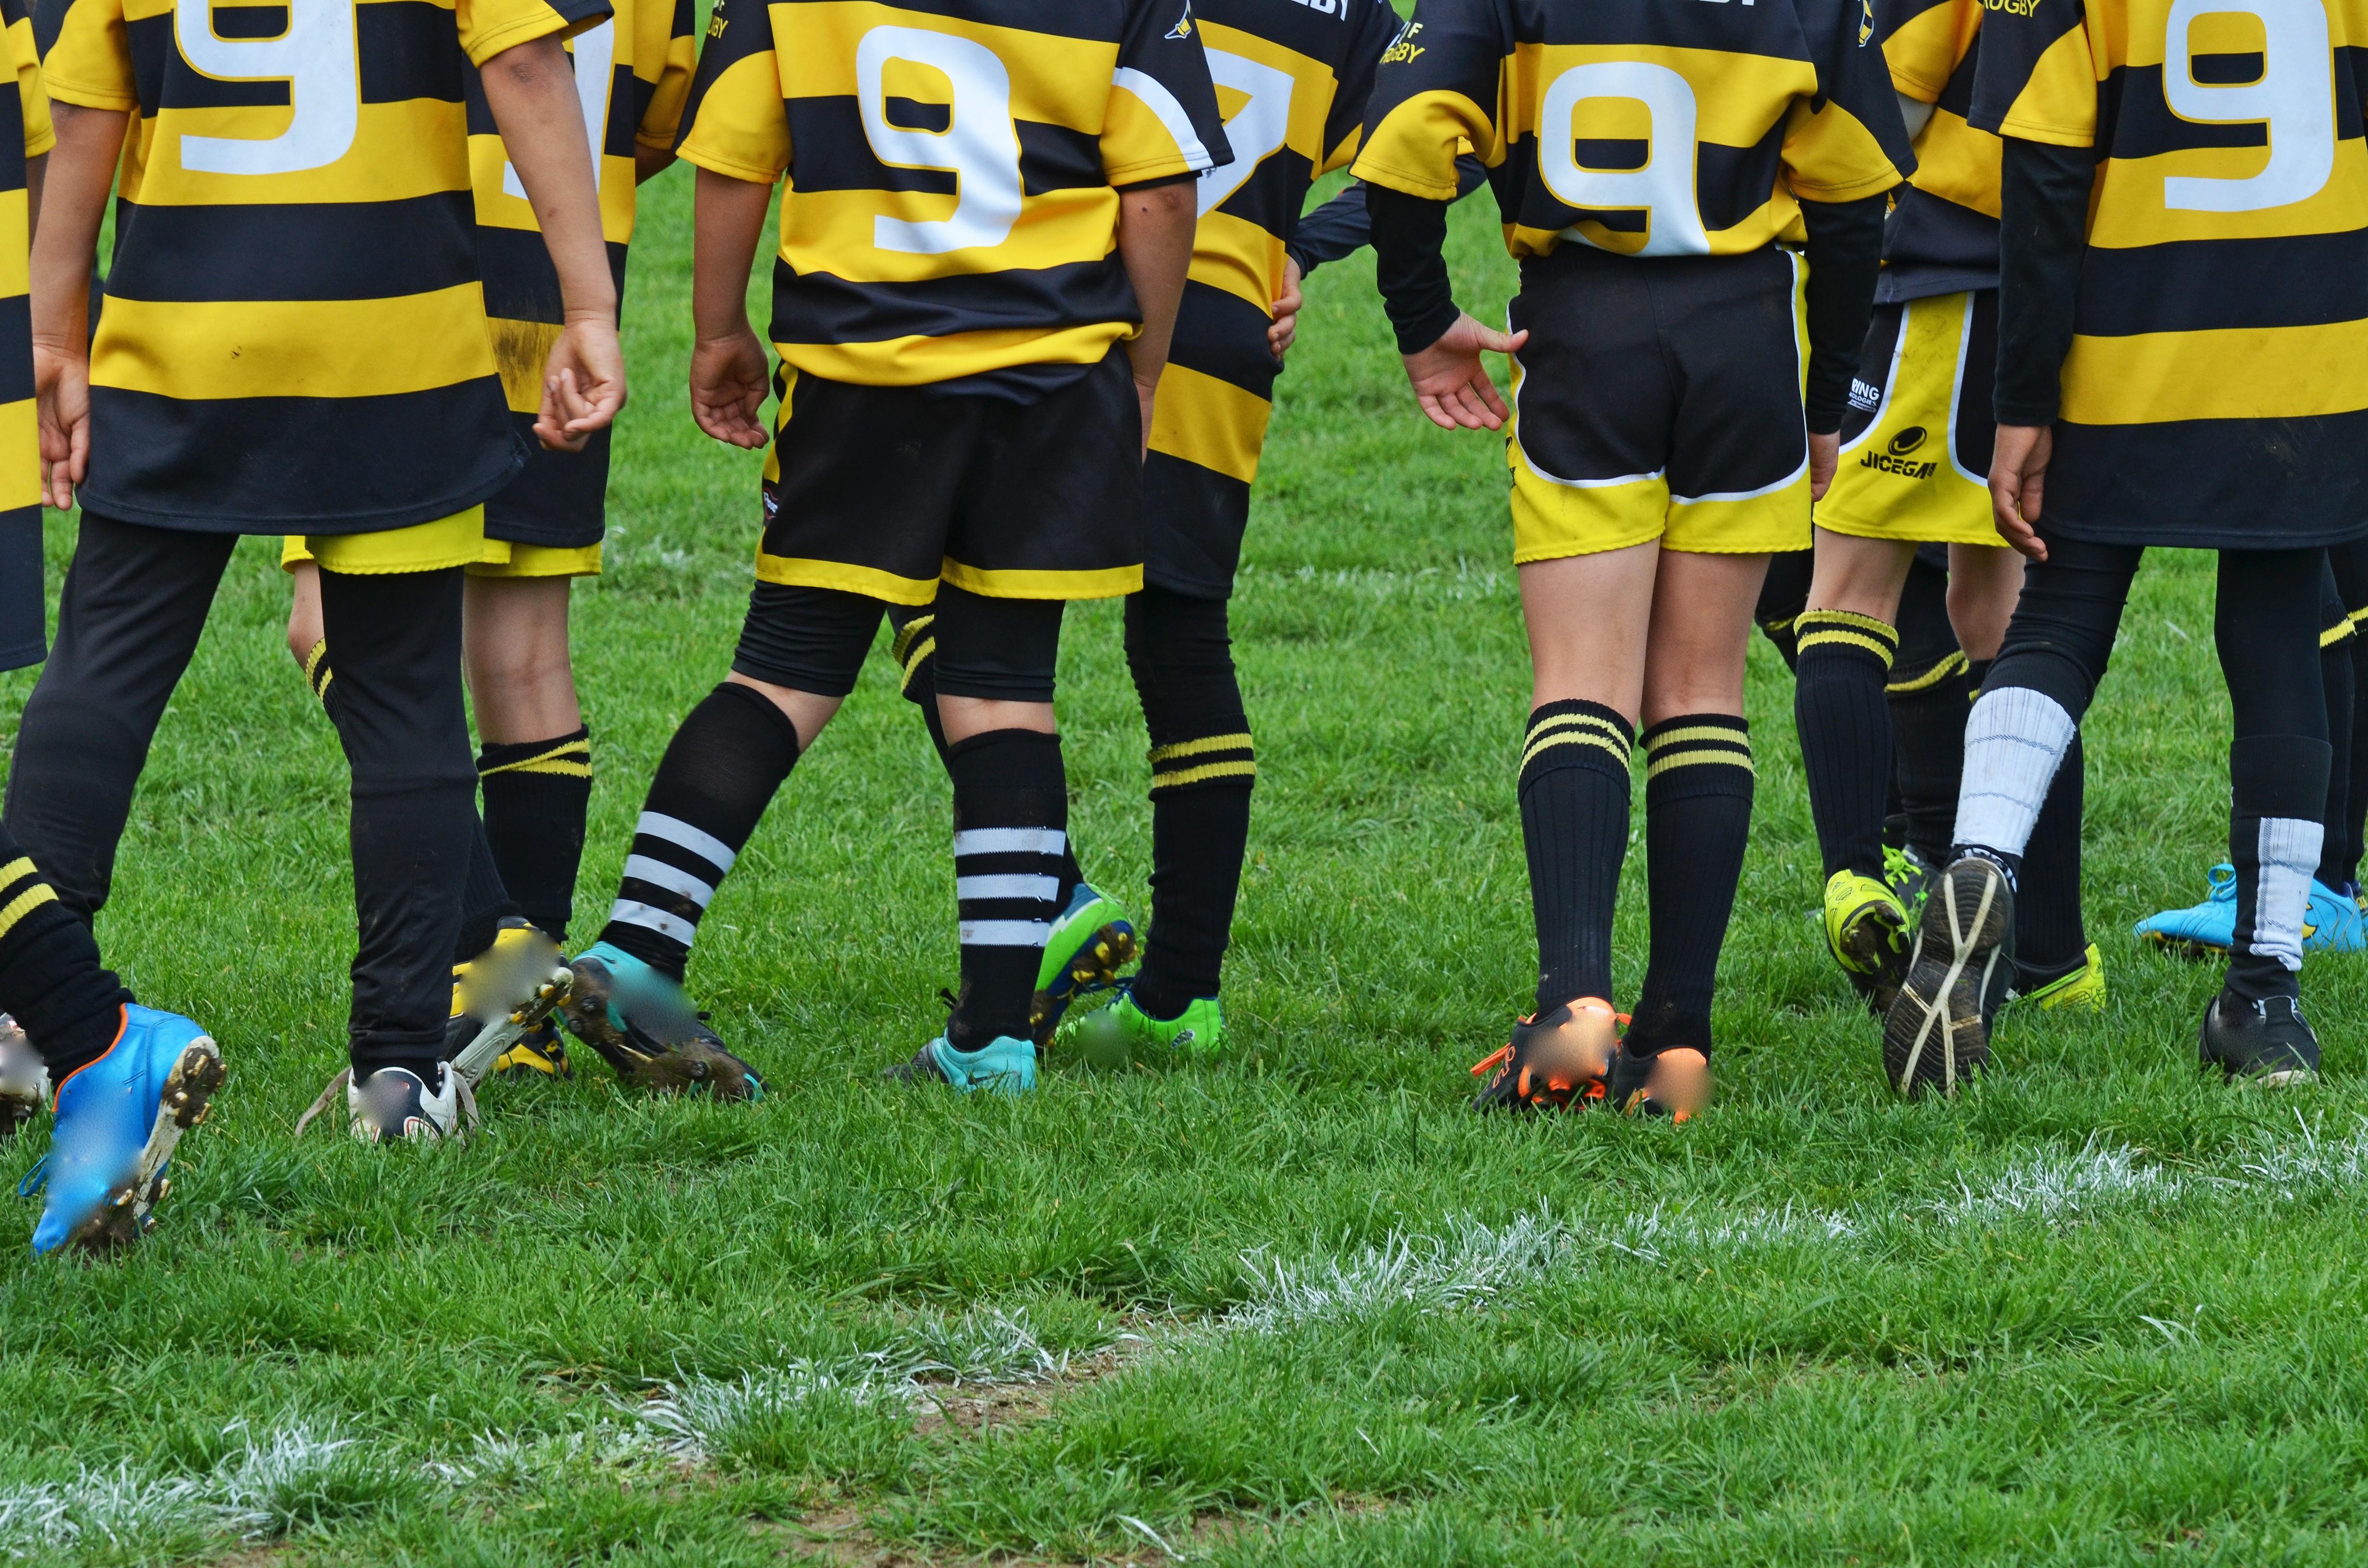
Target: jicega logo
(1897,460)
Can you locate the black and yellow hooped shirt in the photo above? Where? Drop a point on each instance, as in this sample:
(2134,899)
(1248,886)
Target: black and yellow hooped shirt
(950,210)
(2216,389)
(1640,127)
(295,334)
(25,134)
(632,78)
(1942,237)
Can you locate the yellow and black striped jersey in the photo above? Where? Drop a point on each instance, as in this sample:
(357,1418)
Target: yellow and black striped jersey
(25,134)
(632,78)
(293,339)
(1640,127)
(950,210)
(1942,237)
(2220,334)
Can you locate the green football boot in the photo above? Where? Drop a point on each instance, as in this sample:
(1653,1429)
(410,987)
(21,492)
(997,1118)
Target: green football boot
(2081,989)
(1122,1033)
(1092,940)
(1868,933)
(1910,877)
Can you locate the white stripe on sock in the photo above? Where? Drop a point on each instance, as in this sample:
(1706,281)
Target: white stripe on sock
(2015,737)
(1044,889)
(1006,933)
(1011,841)
(628,913)
(658,874)
(674,830)
(2287,849)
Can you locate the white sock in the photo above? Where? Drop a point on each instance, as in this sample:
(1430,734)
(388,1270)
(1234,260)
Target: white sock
(2287,849)
(2014,739)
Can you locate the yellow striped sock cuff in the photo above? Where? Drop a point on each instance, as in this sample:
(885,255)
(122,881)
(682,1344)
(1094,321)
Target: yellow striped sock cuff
(912,647)
(317,672)
(1697,741)
(1839,629)
(1914,681)
(569,757)
(19,905)
(1209,759)
(1574,733)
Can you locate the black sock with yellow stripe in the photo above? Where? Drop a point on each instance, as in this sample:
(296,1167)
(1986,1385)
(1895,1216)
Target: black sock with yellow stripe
(1845,724)
(1575,786)
(52,982)
(1203,766)
(1698,783)
(1928,738)
(536,795)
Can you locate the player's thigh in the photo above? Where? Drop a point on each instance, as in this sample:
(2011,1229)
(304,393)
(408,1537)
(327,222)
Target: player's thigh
(861,486)
(1739,456)
(1051,504)
(1917,440)
(1587,617)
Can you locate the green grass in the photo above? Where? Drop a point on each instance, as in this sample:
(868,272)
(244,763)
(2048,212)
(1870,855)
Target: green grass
(1299,1309)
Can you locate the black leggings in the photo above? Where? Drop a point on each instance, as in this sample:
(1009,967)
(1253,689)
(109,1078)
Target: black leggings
(815,640)
(2265,623)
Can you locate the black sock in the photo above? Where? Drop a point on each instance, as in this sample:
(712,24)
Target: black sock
(1782,594)
(318,673)
(2354,823)
(1845,726)
(1012,815)
(1698,783)
(1573,794)
(536,795)
(2049,937)
(485,903)
(915,649)
(1928,741)
(719,772)
(52,982)
(400,717)
(2338,860)
(2277,784)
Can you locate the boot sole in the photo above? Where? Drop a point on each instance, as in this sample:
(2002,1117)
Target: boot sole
(477,1058)
(1096,966)
(1870,952)
(1933,1033)
(189,1095)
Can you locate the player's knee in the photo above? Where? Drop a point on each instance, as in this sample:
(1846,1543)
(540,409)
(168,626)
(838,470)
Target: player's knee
(1181,653)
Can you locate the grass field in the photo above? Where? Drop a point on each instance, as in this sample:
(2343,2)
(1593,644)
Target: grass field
(1302,1307)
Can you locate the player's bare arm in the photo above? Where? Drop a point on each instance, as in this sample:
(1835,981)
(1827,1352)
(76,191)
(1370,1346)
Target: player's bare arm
(531,90)
(650,161)
(728,370)
(1155,242)
(81,172)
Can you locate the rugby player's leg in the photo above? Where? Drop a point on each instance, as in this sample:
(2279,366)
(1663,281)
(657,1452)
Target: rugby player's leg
(534,765)
(2351,565)
(1928,695)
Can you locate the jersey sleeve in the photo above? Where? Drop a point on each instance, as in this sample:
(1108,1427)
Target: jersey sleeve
(1344,127)
(2036,81)
(489,27)
(1436,91)
(1922,40)
(1848,142)
(735,122)
(32,102)
(668,36)
(85,53)
(1163,118)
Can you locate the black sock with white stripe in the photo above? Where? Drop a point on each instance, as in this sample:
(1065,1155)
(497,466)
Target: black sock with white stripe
(720,771)
(2277,787)
(1011,820)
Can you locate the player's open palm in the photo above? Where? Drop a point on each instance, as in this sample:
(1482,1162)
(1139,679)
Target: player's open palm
(61,386)
(1451,384)
(728,378)
(583,383)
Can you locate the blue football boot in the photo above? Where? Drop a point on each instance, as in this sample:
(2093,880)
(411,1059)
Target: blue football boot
(115,1122)
(1003,1065)
(644,1026)
(2333,924)
(2204,930)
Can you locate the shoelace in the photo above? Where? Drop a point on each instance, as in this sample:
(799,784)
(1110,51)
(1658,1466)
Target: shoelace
(36,1178)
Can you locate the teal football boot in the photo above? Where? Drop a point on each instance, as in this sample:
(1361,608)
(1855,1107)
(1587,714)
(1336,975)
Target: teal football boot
(2333,924)
(116,1124)
(643,1026)
(1003,1065)
(2203,930)
(1092,940)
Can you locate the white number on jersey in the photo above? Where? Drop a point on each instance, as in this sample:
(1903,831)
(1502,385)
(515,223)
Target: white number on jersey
(1258,128)
(980,144)
(2295,95)
(315,57)
(1663,188)
(596,55)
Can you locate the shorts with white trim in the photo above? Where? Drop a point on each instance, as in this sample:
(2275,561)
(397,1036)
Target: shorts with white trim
(886,491)
(1916,436)
(1659,398)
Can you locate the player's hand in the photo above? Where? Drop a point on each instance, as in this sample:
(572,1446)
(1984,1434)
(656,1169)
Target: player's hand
(1287,304)
(1453,385)
(728,381)
(1825,456)
(583,383)
(2019,485)
(62,388)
